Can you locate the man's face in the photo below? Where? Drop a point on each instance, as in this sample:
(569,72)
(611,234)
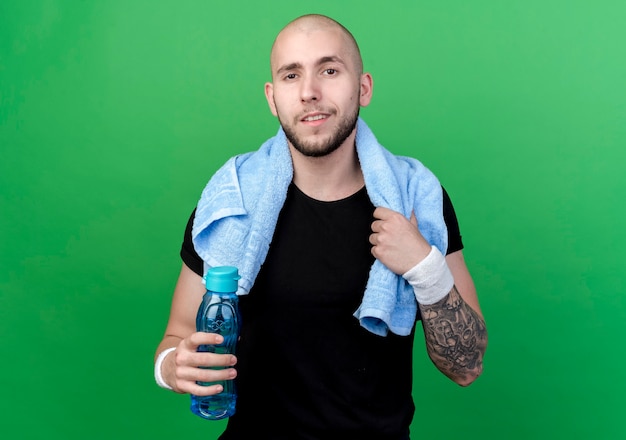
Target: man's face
(317,89)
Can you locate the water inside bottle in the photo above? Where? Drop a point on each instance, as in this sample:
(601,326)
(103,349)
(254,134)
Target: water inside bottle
(217,407)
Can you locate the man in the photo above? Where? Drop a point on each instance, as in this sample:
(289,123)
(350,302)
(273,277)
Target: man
(305,366)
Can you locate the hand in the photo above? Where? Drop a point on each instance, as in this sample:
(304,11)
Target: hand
(182,367)
(396,241)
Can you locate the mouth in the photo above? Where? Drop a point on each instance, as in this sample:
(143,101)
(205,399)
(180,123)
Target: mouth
(315,118)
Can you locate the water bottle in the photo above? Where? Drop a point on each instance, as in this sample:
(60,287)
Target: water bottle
(219,313)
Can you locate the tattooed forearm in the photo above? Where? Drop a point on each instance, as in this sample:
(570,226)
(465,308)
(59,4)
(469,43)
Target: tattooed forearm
(456,337)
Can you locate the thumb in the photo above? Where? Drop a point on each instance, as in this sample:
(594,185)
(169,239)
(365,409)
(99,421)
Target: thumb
(413,219)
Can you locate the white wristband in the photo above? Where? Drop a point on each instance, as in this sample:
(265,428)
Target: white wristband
(431,278)
(157,368)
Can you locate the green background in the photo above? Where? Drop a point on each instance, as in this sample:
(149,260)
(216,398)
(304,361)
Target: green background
(113,115)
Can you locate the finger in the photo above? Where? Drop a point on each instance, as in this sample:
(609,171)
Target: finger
(205,359)
(210,375)
(377,225)
(202,381)
(188,358)
(382,213)
(413,219)
(201,390)
(191,374)
(192,387)
(372,239)
(202,338)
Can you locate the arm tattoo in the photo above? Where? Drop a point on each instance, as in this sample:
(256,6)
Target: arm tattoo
(456,337)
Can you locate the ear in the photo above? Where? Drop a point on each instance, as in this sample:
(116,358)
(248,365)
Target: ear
(269,95)
(367,89)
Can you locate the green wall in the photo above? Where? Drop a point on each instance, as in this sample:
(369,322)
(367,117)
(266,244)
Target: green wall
(113,114)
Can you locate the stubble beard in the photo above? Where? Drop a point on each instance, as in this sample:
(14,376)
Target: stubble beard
(326,146)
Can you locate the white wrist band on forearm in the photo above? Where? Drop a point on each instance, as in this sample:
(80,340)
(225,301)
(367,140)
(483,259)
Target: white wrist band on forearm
(431,278)
(157,368)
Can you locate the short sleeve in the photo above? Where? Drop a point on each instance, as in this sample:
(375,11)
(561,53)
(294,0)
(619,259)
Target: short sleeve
(188,253)
(455,243)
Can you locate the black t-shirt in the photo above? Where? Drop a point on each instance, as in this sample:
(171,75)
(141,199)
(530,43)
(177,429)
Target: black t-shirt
(306,368)
(455,243)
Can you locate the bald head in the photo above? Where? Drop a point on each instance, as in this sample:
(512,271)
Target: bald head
(308,24)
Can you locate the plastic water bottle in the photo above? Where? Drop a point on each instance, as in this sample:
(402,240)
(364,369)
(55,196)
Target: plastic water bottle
(219,313)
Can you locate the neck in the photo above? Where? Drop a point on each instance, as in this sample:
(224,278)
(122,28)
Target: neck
(328,178)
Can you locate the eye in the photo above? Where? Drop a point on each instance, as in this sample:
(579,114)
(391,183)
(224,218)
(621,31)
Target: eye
(330,72)
(290,76)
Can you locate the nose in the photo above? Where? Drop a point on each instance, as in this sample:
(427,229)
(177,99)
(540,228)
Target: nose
(310,90)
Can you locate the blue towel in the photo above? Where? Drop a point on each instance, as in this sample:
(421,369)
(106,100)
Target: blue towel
(239,207)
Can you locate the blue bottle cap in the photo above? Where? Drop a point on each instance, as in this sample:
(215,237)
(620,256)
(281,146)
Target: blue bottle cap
(222,279)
